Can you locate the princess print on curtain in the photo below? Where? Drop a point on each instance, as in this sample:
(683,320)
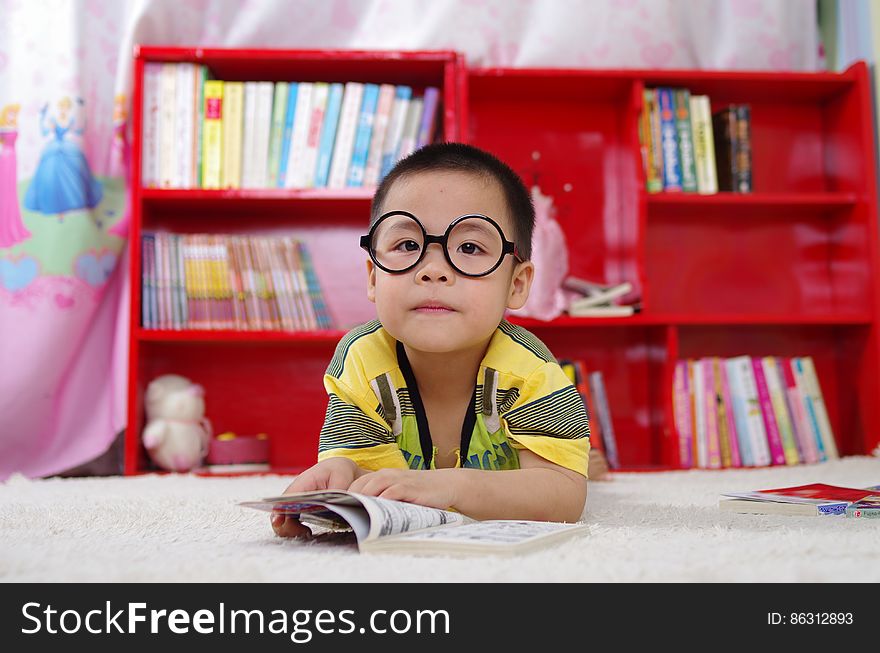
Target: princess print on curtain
(63,181)
(12,229)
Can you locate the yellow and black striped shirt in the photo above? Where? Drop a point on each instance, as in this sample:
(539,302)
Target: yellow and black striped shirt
(522,400)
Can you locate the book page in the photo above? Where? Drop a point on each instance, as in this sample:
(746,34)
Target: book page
(389,517)
(493,533)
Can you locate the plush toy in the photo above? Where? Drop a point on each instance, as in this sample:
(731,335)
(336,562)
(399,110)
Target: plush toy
(177,433)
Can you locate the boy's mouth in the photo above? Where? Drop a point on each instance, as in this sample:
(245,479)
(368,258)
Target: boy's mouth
(433,307)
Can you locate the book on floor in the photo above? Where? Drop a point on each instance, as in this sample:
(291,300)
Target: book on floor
(394,526)
(813,499)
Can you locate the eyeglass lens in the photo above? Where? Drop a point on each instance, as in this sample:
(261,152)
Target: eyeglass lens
(474,244)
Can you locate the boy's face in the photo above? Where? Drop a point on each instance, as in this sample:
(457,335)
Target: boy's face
(433,308)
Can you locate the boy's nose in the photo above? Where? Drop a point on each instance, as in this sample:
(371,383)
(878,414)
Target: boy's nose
(434,266)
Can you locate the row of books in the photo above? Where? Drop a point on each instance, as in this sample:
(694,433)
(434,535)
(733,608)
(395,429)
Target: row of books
(685,147)
(209,133)
(750,411)
(210,281)
(591,387)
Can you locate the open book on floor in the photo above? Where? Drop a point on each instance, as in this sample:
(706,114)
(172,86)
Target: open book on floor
(810,500)
(395,526)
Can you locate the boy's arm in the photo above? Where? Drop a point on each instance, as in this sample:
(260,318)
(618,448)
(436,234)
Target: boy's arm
(539,490)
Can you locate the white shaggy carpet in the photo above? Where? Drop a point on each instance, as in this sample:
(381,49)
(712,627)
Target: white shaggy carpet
(644,527)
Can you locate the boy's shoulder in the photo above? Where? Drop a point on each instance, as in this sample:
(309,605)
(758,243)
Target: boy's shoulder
(368,347)
(516,351)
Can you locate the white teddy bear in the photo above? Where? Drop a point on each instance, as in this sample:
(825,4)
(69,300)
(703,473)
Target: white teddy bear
(177,433)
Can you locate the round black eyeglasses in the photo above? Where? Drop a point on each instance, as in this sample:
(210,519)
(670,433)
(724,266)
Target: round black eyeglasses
(474,245)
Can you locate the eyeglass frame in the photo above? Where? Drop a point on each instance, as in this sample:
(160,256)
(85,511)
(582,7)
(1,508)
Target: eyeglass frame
(507,247)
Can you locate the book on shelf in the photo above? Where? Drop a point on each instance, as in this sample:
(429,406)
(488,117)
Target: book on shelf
(577,372)
(394,526)
(681,99)
(807,500)
(747,402)
(331,128)
(596,384)
(598,299)
(669,140)
(704,145)
(363,133)
(201,281)
(345,133)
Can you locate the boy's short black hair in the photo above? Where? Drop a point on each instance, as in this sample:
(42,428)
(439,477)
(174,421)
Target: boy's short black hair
(459,157)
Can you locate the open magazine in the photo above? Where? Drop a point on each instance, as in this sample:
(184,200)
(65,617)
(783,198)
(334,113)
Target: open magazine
(386,525)
(814,499)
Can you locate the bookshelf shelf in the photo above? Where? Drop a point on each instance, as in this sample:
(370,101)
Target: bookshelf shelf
(791,270)
(256,337)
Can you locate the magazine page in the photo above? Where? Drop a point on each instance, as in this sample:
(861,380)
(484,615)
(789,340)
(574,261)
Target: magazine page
(389,517)
(501,536)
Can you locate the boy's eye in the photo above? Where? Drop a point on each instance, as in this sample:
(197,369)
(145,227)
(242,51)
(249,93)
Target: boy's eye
(470,248)
(408,246)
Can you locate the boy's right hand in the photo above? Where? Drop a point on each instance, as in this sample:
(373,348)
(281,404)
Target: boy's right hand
(330,474)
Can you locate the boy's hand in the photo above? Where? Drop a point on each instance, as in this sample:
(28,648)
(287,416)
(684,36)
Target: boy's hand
(434,488)
(329,474)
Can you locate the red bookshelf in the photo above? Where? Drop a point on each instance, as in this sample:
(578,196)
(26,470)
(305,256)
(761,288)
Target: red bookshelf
(788,270)
(791,269)
(272,381)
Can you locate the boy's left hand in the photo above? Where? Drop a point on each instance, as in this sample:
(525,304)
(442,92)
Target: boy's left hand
(428,488)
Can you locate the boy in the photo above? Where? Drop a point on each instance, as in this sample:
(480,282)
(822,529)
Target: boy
(430,400)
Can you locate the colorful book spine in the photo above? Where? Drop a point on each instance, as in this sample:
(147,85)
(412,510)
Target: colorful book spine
(713,435)
(380,128)
(295,175)
(265,95)
(287,135)
(322,315)
(650,149)
(669,140)
(147,275)
(726,419)
(777,453)
(362,136)
(276,132)
(656,139)
(682,103)
(150,154)
(704,148)
(800,420)
(212,147)
(748,387)
(249,133)
(233,122)
(390,145)
(344,145)
(430,107)
(809,410)
(699,389)
(814,391)
(743,149)
(167,130)
(410,128)
(682,414)
(320,94)
(184,121)
(776,391)
(329,134)
(198,123)
(737,402)
(597,388)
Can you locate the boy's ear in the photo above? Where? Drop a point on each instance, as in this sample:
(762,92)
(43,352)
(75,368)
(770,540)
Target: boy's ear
(371,281)
(523,275)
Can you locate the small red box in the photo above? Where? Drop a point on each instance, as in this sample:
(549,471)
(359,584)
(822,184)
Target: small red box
(232,449)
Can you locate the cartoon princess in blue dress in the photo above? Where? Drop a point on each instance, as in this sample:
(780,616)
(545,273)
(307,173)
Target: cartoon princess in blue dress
(63,181)
(12,230)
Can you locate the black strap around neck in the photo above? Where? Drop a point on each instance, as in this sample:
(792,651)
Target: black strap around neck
(427,444)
